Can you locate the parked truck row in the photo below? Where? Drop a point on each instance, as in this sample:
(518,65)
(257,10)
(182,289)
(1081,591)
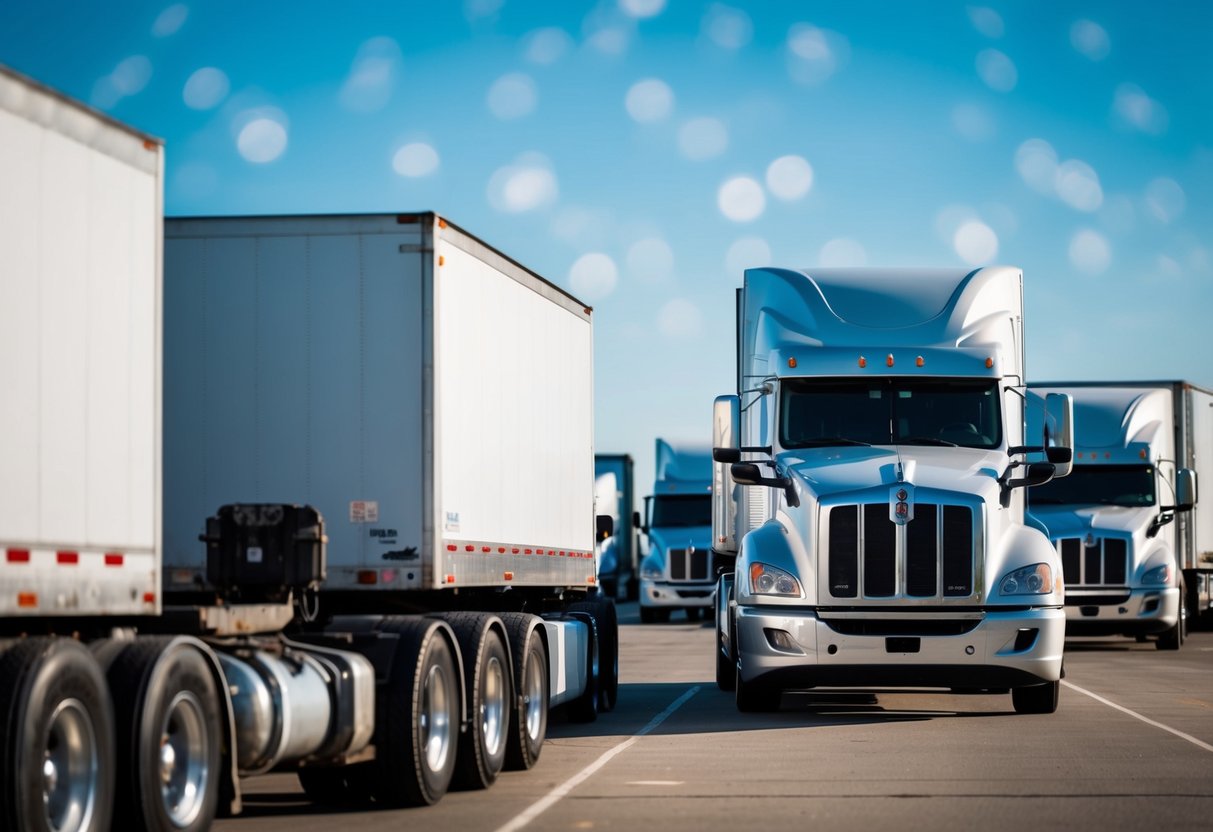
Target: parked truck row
(268,503)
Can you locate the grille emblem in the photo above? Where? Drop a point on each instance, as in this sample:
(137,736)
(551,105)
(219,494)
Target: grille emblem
(1090,541)
(901,504)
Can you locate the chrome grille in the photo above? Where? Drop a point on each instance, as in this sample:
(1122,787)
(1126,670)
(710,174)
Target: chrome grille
(688,564)
(1105,563)
(870,556)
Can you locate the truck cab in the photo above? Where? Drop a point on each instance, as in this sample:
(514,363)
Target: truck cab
(1113,519)
(676,573)
(869,481)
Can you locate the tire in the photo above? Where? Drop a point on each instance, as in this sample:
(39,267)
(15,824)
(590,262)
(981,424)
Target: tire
(607,621)
(169,736)
(632,589)
(726,670)
(529,717)
(417,717)
(489,692)
(1196,621)
(609,588)
(1173,639)
(755,697)
(56,739)
(585,707)
(1036,699)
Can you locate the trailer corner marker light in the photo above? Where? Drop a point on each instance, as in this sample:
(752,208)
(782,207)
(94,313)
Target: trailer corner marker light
(508,576)
(1142,453)
(989,363)
(792,362)
(149,597)
(918,362)
(863,362)
(441,222)
(889,360)
(441,260)
(368,577)
(27,599)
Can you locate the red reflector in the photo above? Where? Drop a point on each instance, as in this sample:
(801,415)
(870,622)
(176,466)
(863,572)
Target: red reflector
(501,550)
(486,549)
(450,579)
(18,555)
(368,577)
(67,558)
(509,576)
(451,547)
(526,551)
(113,559)
(149,597)
(514,550)
(27,599)
(469,548)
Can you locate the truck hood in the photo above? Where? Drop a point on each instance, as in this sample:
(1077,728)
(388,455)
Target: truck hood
(826,472)
(1078,521)
(679,537)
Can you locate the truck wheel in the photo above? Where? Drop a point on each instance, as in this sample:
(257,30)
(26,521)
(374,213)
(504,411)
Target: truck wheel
(632,589)
(167,713)
(755,697)
(489,693)
(726,670)
(607,621)
(1036,699)
(56,739)
(585,707)
(417,727)
(529,717)
(1173,638)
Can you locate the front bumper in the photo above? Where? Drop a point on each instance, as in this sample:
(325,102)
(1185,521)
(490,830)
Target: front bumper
(675,596)
(1138,611)
(1000,649)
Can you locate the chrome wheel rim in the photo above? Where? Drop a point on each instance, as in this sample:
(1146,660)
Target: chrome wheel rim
(435,722)
(182,762)
(70,768)
(492,706)
(535,684)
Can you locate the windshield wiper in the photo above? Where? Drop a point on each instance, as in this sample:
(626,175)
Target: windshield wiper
(828,441)
(926,440)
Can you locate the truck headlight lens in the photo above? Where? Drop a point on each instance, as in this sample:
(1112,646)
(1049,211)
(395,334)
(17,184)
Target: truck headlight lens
(768,580)
(650,569)
(1036,579)
(1158,576)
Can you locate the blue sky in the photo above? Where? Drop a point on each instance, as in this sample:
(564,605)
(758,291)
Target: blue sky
(641,153)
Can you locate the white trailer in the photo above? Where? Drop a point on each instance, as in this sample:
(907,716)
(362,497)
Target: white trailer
(1136,545)
(385,389)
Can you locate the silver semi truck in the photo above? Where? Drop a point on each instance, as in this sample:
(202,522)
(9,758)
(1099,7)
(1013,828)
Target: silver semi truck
(310,494)
(869,482)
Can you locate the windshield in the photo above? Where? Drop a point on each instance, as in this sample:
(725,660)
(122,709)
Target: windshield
(890,411)
(1108,485)
(684,510)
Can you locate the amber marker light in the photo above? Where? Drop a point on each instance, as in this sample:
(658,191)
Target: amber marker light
(889,360)
(792,362)
(863,362)
(989,363)
(918,362)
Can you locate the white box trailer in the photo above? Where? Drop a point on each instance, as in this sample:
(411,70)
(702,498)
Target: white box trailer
(442,426)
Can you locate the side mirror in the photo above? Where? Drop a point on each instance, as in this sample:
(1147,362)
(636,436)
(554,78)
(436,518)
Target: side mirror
(1185,489)
(726,455)
(1036,473)
(604,526)
(636,522)
(726,451)
(748,473)
(1059,433)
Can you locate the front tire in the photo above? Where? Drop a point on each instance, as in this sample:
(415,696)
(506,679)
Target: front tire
(755,697)
(1036,699)
(1174,638)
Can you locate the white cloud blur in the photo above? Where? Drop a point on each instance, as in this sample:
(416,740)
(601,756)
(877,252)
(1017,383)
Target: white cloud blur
(741,199)
(1090,39)
(477,10)
(547,46)
(525,185)
(727,27)
(789,177)
(593,276)
(372,77)
(1138,110)
(973,122)
(975,243)
(650,260)
(1036,162)
(1078,186)
(512,96)
(262,134)
(1165,199)
(1118,214)
(169,21)
(415,159)
(206,88)
(986,21)
(996,70)
(746,253)
(131,75)
(649,100)
(842,252)
(679,319)
(641,9)
(1089,251)
(702,138)
(815,54)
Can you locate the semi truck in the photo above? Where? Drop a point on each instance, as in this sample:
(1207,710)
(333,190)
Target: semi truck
(307,494)
(1136,546)
(614,492)
(869,483)
(676,572)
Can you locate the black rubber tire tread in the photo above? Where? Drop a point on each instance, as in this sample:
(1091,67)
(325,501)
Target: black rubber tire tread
(398,777)
(584,708)
(526,645)
(1174,638)
(755,697)
(1036,699)
(606,619)
(726,670)
(137,804)
(479,636)
(35,675)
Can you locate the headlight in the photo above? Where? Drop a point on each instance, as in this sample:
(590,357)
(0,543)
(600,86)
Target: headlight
(1036,579)
(767,580)
(650,569)
(1158,576)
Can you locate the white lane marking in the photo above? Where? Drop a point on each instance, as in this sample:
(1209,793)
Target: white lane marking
(550,799)
(1145,719)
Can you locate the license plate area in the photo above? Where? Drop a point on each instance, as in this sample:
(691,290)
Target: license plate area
(902,644)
